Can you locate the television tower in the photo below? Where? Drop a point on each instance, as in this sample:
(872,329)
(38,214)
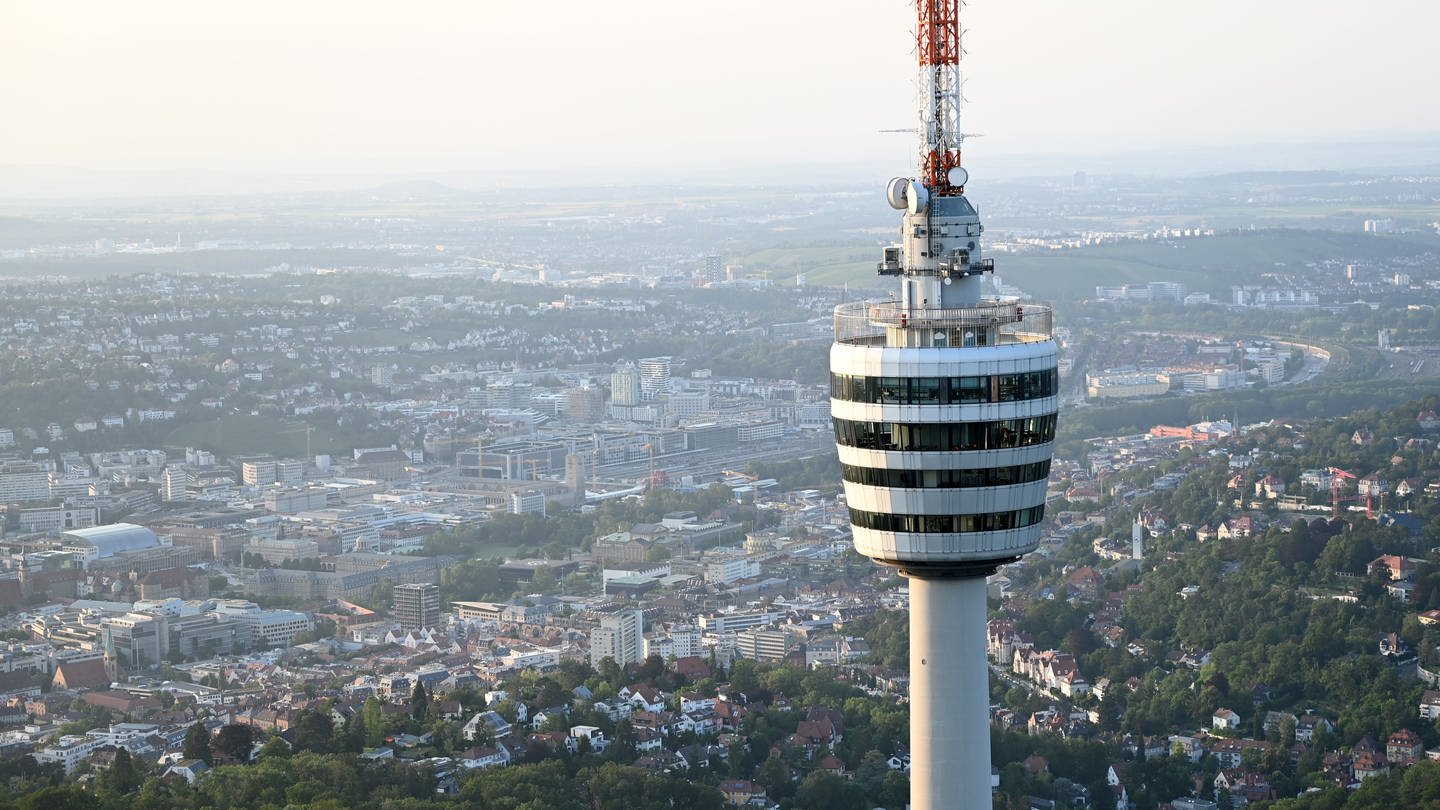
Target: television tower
(944,404)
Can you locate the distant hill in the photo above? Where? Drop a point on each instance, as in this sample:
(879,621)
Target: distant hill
(1207,264)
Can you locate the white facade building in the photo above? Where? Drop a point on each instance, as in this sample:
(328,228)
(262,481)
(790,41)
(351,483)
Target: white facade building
(620,636)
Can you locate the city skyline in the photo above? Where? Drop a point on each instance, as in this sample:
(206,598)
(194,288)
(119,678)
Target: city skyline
(688,90)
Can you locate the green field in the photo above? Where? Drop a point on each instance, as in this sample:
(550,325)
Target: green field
(825,266)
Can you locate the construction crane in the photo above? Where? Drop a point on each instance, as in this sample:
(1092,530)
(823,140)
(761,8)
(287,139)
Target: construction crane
(1371,487)
(653,479)
(309,430)
(1338,477)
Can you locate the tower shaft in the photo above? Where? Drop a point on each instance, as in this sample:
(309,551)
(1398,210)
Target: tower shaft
(949,694)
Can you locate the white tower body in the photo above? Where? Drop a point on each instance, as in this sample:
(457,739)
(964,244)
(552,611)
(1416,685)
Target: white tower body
(944,403)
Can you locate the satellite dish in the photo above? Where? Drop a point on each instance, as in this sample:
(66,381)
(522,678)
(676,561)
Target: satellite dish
(947,281)
(958,177)
(916,197)
(895,193)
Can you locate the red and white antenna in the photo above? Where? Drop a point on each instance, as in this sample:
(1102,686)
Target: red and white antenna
(937,40)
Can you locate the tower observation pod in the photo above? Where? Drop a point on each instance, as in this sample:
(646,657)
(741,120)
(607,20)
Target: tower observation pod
(944,403)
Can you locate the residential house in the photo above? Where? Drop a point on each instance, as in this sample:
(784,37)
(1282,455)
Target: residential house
(1036,765)
(743,793)
(189,769)
(1393,567)
(483,757)
(1429,705)
(1231,753)
(1235,528)
(1392,646)
(821,727)
(1270,486)
(1308,725)
(1366,765)
(1084,584)
(1404,747)
(1247,786)
(662,761)
(644,698)
(648,740)
(1191,748)
(498,726)
(1225,719)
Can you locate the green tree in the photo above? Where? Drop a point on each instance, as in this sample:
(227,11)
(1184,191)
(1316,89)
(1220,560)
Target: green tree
(197,743)
(314,731)
(122,776)
(419,703)
(373,715)
(823,790)
(235,741)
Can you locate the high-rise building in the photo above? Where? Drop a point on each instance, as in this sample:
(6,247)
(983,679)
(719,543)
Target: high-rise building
(417,605)
(654,378)
(625,385)
(577,465)
(620,637)
(172,482)
(944,404)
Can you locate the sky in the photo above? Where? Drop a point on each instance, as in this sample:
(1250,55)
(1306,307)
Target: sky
(651,90)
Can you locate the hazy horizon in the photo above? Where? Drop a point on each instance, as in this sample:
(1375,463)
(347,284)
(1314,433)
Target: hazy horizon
(272,95)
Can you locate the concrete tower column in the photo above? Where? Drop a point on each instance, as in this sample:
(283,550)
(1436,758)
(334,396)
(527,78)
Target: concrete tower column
(949,694)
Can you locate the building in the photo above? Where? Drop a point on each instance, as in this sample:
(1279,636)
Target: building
(1124,385)
(295,501)
(257,472)
(356,576)
(417,605)
(54,519)
(103,542)
(674,641)
(725,572)
(22,481)
(654,378)
(205,635)
(173,482)
(137,640)
(765,643)
(944,403)
(271,628)
(625,386)
(619,637)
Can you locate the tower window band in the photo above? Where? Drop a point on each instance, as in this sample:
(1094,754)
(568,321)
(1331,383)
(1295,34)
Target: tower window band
(947,524)
(996,435)
(945,390)
(947,478)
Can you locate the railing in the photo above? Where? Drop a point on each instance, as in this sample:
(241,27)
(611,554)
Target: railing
(1004,321)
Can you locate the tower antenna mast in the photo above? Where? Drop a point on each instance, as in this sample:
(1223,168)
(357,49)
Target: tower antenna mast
(937,41)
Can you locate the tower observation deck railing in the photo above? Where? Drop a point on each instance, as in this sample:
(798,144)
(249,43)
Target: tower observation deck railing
(871,323)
